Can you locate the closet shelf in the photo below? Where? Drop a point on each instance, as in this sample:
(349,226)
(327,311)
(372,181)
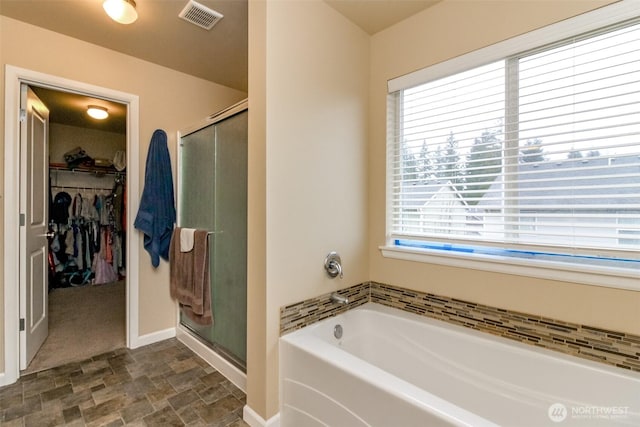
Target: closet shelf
(98,171)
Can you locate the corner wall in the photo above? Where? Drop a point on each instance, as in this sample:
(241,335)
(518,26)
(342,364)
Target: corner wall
(168,99)
(308,80)
(449,29)
(98,144)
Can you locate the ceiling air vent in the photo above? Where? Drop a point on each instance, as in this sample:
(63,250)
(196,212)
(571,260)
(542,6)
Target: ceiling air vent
(200,15)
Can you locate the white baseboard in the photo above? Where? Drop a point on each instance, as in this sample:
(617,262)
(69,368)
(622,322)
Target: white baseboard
(230,372)
(254,420)
(153,337)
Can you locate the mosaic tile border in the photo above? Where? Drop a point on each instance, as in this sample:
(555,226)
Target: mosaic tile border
(606,346)
(299,315)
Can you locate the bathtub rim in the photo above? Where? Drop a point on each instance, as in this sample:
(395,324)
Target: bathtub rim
(314,343)
(378,377)
(474,334)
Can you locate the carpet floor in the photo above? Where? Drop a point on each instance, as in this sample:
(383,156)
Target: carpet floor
(83,322)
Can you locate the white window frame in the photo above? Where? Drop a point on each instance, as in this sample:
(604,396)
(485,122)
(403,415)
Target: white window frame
(613,277)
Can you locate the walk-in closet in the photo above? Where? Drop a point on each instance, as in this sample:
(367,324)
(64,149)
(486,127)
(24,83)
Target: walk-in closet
(87,214)
(86,229)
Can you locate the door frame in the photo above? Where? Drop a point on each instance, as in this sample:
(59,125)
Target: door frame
(14,77)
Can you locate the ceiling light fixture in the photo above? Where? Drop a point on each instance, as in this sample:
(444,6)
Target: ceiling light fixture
(122,11)
(98,113)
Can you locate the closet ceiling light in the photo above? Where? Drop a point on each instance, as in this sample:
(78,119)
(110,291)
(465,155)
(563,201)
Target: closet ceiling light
(99,113)
(122,11)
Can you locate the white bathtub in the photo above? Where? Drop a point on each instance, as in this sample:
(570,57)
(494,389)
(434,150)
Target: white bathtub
(396,369)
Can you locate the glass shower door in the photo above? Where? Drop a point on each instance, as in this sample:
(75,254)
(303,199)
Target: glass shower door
(213,196)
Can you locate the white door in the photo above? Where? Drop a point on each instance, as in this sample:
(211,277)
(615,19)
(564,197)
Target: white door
(34,207)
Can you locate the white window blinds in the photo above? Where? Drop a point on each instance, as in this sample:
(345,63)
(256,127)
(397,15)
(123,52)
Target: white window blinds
(535,153)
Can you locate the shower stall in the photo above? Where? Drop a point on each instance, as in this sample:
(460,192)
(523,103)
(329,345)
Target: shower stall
(212,195)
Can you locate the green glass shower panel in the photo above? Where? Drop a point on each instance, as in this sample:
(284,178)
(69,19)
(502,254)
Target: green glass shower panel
(213,196)
(197,179)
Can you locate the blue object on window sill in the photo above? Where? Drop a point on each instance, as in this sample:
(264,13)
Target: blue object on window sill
(520,254)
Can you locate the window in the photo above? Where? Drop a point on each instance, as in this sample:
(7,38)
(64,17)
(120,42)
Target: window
(535,155)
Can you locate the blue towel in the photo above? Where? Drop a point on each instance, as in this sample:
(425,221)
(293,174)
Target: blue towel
(157,213)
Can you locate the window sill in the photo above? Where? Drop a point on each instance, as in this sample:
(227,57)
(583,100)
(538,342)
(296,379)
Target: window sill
(619,278)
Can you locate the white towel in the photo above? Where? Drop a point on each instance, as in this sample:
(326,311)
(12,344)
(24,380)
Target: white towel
(186,239)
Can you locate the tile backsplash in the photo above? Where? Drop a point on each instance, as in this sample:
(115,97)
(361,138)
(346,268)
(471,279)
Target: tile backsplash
(611,347)
(299,315)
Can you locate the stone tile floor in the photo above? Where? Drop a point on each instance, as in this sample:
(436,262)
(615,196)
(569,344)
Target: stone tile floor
(162,384)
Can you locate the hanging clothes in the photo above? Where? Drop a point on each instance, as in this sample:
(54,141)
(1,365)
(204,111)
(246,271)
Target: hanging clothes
(87,247)
(118,204)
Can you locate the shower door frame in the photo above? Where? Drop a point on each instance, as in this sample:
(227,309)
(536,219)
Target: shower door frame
(183,333)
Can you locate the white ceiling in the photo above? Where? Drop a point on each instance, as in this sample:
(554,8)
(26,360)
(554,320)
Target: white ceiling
(161,37)
(158,36)
(376,15)
(71,109)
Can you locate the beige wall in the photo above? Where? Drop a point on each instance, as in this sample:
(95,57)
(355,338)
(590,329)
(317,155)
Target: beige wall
(450,29)
(317,157)
(98,144)
(308,125)
(168,99)
(256,212)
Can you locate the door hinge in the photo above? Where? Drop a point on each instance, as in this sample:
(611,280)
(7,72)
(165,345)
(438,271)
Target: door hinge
(23,220)
(23,115)
(21,325)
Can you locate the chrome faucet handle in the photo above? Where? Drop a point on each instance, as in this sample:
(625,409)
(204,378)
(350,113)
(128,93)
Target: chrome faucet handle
(335,269)
(333,266)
